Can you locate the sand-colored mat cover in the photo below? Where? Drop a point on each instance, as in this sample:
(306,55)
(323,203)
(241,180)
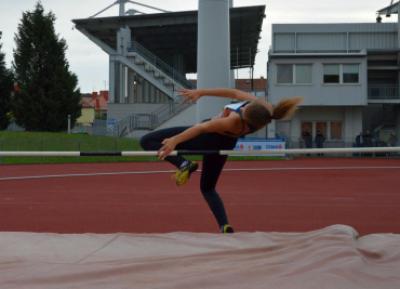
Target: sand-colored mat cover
(333,257)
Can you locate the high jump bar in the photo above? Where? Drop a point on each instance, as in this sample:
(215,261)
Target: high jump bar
(345,150)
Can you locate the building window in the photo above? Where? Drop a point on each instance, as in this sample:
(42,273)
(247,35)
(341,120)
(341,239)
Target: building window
(336,130)
(331,73)
(285,73)
(303,74)
(341,73)
(351,73)
(294,73)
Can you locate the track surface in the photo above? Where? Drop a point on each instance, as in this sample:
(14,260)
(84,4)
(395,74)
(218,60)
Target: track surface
(296,195)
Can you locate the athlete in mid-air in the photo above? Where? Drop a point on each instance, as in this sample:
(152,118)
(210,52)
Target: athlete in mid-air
(219,133)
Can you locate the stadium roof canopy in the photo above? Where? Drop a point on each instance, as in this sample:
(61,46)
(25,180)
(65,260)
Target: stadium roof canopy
(391,9)
(168,34)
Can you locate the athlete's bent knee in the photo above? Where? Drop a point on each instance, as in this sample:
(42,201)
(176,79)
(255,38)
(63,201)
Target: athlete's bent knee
(145,142)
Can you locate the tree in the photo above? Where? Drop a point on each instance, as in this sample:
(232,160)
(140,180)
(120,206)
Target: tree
(48,90)
(6,84)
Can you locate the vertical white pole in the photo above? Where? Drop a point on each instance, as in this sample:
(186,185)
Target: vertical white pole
(126,83)
(111,79)
(213,54)
(121,84)
(122,7)
(69,124)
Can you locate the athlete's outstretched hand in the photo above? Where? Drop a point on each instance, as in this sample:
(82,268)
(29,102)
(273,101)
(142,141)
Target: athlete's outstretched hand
(169,145)
(190,94)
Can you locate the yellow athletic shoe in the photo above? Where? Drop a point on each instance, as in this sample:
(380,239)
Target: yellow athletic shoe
(182,175)
(227,229)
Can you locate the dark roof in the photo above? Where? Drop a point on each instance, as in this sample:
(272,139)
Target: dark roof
(245,84)
(168,34)
(259,84)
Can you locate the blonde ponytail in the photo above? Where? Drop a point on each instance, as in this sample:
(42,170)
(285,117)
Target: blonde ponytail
(286,108)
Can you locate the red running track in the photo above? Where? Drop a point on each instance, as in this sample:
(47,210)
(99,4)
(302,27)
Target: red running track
(296,195)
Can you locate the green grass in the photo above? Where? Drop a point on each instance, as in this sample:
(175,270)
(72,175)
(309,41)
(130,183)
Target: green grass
(46,141)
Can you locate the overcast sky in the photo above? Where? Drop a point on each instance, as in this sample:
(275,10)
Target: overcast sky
(90,63)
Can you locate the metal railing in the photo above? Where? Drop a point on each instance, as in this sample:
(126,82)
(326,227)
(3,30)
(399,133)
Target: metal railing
(149,121)
(166,112)
(155,118)
(382,91)
(160,64)
(137,121)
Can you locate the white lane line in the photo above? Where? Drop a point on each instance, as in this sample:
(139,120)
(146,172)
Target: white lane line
(83,175)
(171,171)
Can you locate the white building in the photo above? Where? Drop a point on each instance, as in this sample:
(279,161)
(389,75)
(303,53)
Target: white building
(348,75)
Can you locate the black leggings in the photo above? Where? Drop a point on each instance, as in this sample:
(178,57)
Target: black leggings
(212,164)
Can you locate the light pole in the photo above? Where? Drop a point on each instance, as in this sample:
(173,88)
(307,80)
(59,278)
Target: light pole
(213,54)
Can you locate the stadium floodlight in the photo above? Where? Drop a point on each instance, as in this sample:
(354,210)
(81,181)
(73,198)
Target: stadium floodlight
(393,8)
(389,10)
(122,12)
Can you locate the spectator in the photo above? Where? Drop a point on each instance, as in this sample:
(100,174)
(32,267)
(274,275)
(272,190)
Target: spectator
(392,140)
(359,140)
(319,140)
(307,139)
(367,138)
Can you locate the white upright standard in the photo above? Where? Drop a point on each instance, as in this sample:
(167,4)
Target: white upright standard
(213,54)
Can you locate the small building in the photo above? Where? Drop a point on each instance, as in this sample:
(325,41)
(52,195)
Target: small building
(348,75)
(94,106)
(87,111)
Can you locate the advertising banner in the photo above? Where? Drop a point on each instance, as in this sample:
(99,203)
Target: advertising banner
(256,144)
